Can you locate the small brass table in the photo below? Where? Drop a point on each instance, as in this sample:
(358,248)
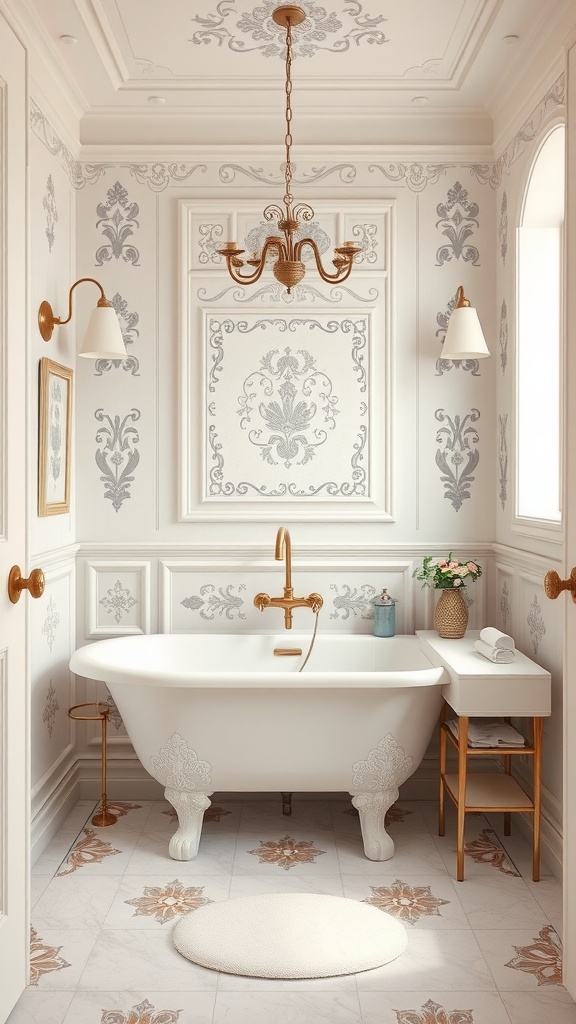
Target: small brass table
(104,816)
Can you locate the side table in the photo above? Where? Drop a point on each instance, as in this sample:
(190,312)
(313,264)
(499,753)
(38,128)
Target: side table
(478,688)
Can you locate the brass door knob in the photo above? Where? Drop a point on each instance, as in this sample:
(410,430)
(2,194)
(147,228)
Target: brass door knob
(553,585)
(35,583)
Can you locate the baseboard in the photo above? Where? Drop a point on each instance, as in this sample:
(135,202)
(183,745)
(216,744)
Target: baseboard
(51,805)
(126,779)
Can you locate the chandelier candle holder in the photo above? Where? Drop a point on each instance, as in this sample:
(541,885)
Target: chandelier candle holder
(287,248)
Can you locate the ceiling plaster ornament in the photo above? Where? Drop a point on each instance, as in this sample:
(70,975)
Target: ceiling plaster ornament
(260,26)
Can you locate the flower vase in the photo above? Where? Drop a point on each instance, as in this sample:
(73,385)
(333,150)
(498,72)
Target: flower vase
(451,614)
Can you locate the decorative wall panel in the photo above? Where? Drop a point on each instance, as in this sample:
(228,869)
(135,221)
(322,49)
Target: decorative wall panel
(206,599)
(117,598)
(292,409)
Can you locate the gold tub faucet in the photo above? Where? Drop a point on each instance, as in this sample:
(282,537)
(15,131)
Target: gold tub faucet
(288,602)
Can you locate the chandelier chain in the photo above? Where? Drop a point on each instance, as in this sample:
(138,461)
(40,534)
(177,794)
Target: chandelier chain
(288,137)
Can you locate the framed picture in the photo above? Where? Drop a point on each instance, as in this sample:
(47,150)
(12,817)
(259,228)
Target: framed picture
(55,438)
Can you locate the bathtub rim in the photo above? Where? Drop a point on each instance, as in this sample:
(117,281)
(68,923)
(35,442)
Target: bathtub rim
(85,662)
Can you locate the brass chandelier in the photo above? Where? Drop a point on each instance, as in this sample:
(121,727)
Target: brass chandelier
(288,267)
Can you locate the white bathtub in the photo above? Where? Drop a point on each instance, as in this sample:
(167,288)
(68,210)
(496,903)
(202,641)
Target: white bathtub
(210,713)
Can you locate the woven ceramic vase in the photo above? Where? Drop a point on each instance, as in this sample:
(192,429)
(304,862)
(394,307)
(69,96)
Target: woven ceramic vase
(451,614)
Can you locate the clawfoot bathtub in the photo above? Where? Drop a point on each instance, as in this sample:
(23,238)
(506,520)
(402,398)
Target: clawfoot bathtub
(210,713)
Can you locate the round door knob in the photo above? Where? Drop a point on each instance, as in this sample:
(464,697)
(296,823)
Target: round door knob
(553,585)
(34,583)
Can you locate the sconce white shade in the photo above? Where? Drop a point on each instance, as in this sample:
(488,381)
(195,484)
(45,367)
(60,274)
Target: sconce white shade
(464,337)
(103,339)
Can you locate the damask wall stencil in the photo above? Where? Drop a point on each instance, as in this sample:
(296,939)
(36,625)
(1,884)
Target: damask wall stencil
(117,221)
(50,708)
(51,211)
(445,365)
(287,418)
(503,336)
(212,600)
(504,605)
(503,228)
(353,601)
(128,321)
(503,458)
(458,456)
(51,622)
(458,221)
(80,174)
(536,624)
(261,33)
(117,457)
(118,601)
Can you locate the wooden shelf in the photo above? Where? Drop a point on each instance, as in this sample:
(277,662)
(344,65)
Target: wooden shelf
(490,791)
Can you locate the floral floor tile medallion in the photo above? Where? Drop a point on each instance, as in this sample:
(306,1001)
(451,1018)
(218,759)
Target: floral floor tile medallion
(43,958)
(286,852)
(165,903)
(542,957)
(143,1013)
(433,1013)
(89,850)
(406,902)
(487,850)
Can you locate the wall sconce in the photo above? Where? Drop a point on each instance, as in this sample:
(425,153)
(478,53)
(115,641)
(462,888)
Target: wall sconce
(464,338)
(103,339)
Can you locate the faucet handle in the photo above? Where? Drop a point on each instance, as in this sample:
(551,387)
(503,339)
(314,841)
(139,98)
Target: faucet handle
(262,601)
(316,602)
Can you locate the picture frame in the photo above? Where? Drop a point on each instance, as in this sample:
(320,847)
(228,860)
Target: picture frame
(54,437)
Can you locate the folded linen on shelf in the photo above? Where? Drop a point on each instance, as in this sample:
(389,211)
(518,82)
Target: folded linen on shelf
(483,733)
(499,655)
(491,635)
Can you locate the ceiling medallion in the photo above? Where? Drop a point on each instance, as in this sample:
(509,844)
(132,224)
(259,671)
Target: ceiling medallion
(285,249)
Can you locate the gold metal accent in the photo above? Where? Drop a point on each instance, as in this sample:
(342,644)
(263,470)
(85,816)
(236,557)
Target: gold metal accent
(104,817)
(461,299)
(288,602)
(288,268)
(34,584)
(286,652)
(553,585)
(455,786)
(46,319)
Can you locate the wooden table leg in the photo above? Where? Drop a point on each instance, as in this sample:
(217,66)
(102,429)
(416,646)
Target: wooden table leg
(538,727)
(462,769)
(442,740)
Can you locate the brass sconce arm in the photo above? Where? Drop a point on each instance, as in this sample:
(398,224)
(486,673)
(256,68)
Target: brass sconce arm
(46,319)
(343,261)
(232,253)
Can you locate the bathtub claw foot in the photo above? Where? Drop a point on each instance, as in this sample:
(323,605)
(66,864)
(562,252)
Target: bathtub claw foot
(190,809)
(372,808)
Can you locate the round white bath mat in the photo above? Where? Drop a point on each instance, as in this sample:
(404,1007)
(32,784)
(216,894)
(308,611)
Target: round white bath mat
(289,935)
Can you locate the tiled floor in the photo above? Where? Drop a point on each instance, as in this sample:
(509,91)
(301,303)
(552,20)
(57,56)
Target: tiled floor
(104,900)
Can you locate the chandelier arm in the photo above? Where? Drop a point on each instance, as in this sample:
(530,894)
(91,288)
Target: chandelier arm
(269,244)
(335,278)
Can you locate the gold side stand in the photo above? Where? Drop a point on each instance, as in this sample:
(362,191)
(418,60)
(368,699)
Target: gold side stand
(104,817)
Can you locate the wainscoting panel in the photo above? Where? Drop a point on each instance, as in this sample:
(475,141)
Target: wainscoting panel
(117,598)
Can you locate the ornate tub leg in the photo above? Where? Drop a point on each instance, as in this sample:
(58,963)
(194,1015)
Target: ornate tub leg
(372,809)
(190,809)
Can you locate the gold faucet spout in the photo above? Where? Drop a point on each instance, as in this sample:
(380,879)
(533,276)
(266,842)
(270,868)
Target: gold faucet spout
(283,551)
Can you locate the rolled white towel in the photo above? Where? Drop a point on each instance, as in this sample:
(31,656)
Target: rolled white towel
(499,655)
(495,638)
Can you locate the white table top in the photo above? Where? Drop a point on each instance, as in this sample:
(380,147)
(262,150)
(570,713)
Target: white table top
(482,689)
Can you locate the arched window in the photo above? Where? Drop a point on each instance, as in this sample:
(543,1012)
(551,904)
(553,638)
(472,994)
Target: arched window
(539,335)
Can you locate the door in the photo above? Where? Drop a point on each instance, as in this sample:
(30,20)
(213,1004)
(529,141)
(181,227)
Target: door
(570,520)
(14,774)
